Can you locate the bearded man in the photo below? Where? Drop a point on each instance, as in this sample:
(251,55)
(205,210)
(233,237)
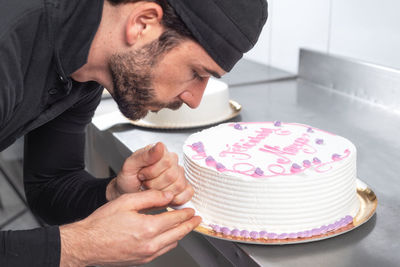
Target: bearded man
(57,56)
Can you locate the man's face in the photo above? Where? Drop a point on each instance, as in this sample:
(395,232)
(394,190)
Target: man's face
(148,79)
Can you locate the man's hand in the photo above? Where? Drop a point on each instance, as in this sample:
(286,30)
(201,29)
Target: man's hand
(152,167)
(117,234)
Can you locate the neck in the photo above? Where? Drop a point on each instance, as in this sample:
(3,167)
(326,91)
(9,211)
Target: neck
(102,47)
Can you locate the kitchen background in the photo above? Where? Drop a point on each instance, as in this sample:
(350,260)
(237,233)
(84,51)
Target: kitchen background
(365,30)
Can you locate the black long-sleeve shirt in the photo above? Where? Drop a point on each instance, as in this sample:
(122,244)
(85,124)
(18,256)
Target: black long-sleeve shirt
(42,42)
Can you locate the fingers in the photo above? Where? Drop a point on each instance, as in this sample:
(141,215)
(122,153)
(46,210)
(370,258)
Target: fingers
(164,179)
(167,240)
(167,220)
(169,162)
(144,157)
(184,196)
(144,200)
(178,232)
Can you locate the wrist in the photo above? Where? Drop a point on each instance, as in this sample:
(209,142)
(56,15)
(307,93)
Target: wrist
(74,247)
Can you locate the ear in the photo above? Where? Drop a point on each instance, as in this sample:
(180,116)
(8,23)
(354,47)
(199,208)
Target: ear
(143,22)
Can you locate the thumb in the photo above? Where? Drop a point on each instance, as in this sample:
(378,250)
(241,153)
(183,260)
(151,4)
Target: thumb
(145,157)
(147,199)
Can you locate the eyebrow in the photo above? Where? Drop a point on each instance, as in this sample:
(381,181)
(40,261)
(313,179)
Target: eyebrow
(213,73)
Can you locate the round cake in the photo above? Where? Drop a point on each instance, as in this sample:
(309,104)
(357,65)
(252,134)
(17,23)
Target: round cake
(272,179)
(214,107)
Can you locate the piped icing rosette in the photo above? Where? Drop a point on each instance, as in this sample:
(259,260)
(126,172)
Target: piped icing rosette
(272,179)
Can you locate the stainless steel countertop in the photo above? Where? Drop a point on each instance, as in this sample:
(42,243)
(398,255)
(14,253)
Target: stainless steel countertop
(374,130)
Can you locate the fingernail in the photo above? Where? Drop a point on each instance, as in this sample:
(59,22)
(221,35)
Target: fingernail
(141,177)
(168,194)
(152,146)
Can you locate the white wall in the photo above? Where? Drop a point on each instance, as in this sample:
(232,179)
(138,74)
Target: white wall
(367,30)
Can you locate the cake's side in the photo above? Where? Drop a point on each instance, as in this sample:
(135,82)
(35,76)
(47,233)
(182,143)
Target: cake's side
(284,179)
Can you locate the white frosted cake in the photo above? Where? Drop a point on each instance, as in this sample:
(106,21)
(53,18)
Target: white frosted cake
(214,107)
(272,180)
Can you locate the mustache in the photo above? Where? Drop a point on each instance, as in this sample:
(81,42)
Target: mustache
(171,105)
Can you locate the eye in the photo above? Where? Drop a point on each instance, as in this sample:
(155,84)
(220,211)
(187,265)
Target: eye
(197,76)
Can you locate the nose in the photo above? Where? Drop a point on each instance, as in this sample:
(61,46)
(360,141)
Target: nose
(192,96)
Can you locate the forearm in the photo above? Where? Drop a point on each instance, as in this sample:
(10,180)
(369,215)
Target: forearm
(68,198)
(36,247)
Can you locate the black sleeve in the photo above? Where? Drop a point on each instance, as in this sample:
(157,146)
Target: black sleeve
(57,187)
(36,248)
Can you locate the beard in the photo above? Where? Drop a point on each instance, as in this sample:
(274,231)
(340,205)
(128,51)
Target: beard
(133,82)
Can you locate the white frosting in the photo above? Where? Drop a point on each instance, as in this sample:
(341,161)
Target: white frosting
(283,198)
(214,107)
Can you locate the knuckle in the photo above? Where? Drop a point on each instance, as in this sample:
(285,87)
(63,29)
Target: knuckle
(150,249)
(180,186)
(170,176)
(175,157)
(150,230)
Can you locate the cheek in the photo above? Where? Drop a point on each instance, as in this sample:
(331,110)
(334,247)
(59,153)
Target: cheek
(169,84)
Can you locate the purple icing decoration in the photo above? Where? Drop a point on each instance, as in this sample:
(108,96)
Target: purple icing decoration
(198,147)
(237,126)
(315,231)
(292,235)
(272,235)
(277,123)
(235,232)
(310,130)
(259,172)
(263,234)
(330,227)
(348,219)
(225,231)
(245,233)
(316,160)
(319,141)
(336,225)
(283,236)
(323,229)
(210,159)
(335,156)
(254,235)
(301,234)
(195,145)
(307,233)
(296,166)
(220,167)
(306,163)
(216,228)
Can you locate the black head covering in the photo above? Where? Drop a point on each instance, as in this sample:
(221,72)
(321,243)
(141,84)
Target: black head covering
(225,28)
